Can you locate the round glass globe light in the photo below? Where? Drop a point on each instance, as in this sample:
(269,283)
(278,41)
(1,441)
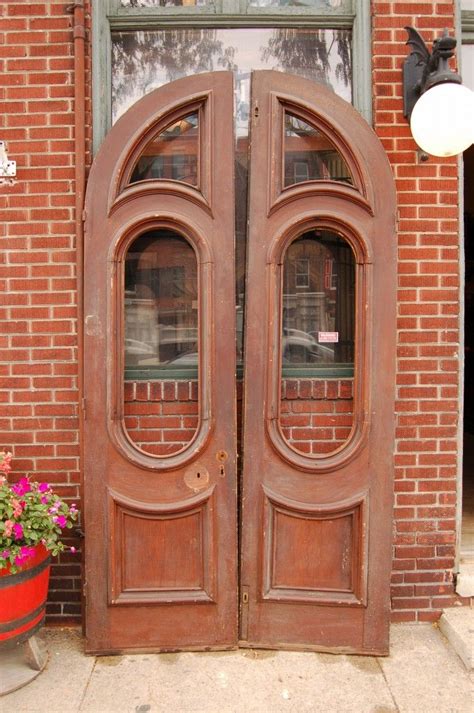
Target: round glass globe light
(442,121)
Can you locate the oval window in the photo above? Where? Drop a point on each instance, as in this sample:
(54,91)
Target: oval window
(173,154)
(317,343)
(161,342)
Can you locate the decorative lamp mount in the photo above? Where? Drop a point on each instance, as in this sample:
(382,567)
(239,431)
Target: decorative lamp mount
(423,69)
(438,106)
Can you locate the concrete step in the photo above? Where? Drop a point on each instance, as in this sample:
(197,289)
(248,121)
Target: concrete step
(457,624)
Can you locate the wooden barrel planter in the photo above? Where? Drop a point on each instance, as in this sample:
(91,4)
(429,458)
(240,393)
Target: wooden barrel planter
(23,598)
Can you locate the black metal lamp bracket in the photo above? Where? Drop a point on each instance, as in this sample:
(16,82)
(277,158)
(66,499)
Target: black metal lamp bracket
(423,69)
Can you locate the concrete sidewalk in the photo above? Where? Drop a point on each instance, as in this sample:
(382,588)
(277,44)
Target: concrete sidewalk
(422,675)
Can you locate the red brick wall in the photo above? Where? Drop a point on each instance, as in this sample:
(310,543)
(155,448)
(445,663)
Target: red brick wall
(428,324)
(161,417)
(316,413)
(38,335)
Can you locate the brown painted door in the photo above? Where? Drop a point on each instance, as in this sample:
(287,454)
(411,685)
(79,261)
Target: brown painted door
(319,375)
(159,432)
(159,428)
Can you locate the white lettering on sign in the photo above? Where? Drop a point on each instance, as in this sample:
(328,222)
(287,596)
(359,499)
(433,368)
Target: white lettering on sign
(328,337)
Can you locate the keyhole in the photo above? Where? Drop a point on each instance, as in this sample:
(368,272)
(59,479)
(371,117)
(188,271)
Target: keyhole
(222,471)
(197,477)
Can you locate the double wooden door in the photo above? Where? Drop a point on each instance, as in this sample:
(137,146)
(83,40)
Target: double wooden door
(184,549)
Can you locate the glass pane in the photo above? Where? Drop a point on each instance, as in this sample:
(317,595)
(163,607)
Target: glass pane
(172,154)
(310,156)
(164,3)
(143,61)
(468,65)
(161,342)
(320,5)
(318,321)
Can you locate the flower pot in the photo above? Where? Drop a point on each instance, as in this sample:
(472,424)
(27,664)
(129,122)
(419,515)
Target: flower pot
(23,598)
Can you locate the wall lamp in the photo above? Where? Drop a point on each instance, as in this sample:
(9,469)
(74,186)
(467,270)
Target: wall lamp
(438,106)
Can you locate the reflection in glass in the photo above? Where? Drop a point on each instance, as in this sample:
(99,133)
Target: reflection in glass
(318,315)
(313,4)
(341,5)
(468,64)
(172,154)
(161,343)
(164,3)
(309,155)
(318,301)
(161,307)
(143,61)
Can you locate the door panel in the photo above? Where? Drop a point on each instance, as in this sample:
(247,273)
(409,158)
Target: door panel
(316,522)
(160,517)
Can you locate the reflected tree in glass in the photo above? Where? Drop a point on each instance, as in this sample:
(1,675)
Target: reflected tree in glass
(308,53)
(164,3)
(160,57)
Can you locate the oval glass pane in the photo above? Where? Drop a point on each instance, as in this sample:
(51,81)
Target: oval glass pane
(172,154)
(161,342)
(318,326)
(310,155)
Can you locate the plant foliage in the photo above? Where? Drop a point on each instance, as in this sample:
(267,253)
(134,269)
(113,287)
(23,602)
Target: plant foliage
(30,514)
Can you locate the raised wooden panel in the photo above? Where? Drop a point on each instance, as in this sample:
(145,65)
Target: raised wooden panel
(314,553)
(162,553)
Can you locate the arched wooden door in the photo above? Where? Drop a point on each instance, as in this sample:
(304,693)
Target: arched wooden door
(159,434)
(319,379)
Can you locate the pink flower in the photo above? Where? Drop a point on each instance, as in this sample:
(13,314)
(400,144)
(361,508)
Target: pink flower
(5,554)
(44,499)
(8,527)
(18,531)
(5,464)
(43,487)
(60,520)
(23,486)
(25,554)
(73,550)
(17,507)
